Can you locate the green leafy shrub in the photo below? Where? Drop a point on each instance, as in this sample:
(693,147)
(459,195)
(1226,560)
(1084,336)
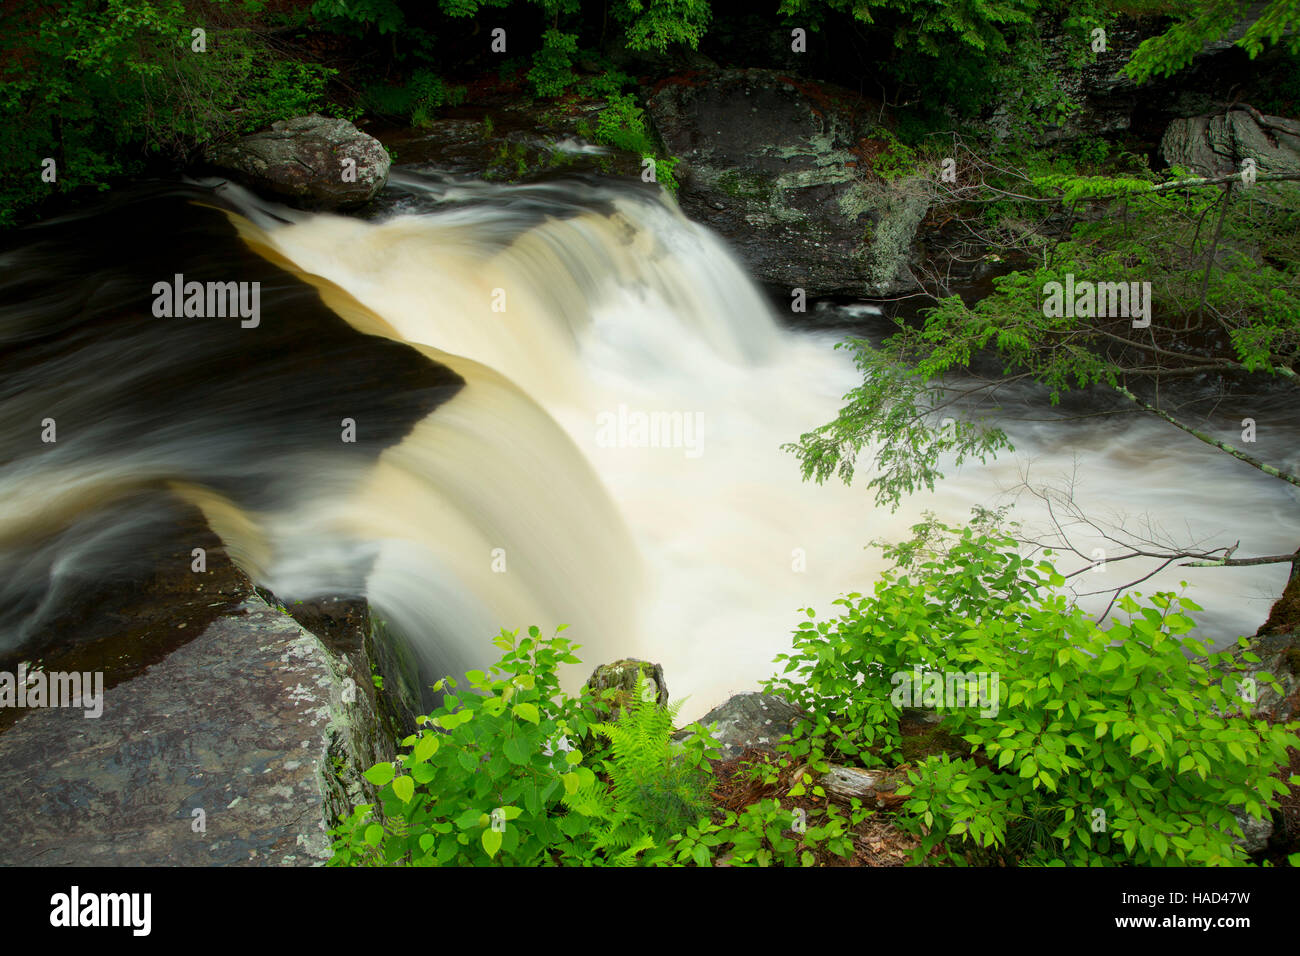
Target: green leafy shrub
(763,834)
(101,87)
(1114,745)
(496,776)
(552,70)
(621,124)
(653,793)
(493,749)
(417,101)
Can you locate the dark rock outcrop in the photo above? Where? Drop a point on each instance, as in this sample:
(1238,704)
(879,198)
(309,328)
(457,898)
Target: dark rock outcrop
(313,160)
(1277,644)
(781,167)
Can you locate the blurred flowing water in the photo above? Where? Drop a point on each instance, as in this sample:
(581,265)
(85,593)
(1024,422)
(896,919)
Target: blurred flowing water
(503,352)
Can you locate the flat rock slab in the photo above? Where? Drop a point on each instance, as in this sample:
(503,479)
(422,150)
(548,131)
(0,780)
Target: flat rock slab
(240,723)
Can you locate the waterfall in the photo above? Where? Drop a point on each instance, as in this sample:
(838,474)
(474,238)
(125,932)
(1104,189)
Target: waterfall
(568,404)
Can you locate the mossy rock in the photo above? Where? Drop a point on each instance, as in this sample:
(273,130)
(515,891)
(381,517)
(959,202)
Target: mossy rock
(620,678)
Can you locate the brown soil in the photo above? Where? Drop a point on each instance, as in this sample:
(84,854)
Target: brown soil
(876,841)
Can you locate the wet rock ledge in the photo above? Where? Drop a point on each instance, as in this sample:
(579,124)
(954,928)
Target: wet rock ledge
(240,747)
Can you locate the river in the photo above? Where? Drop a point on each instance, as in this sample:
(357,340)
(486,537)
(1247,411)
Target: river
(568,406)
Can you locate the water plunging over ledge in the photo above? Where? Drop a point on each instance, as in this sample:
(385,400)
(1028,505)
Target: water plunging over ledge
(569,403)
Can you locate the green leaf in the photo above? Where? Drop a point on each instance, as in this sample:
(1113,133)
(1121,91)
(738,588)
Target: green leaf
(379,774)
(404,788)
(515,751)
(528,712)
(426,747)
(491,842)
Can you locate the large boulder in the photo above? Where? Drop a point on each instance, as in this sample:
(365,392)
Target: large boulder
(781,167)
(314,160)
(1217,145)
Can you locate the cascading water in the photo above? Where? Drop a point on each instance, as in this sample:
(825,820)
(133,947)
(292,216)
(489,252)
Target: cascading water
(577,399)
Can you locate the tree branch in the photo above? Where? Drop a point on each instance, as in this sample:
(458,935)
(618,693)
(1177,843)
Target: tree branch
(1210,439)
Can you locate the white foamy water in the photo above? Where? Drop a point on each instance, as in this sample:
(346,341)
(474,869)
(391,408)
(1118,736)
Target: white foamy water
(697,556)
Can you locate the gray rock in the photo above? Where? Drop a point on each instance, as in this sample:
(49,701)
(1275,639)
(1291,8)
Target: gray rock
(254,722)
(754,721)
(1279,654)
(307,159)
(780,166)
(1277,645)
(1216,145)
(1256,832)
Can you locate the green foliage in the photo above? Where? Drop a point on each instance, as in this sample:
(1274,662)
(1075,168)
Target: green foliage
(621,124)
(762,835)
(383,16)
(99,87)
(552,72)
(898,159)
(894,409)
(488,781)
(930,26)
(416,101)
(1210,20)
(493,748)
(604,84)
(1138,720)
(1239,281)
(652,793)
(1235,285)
(657,24)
